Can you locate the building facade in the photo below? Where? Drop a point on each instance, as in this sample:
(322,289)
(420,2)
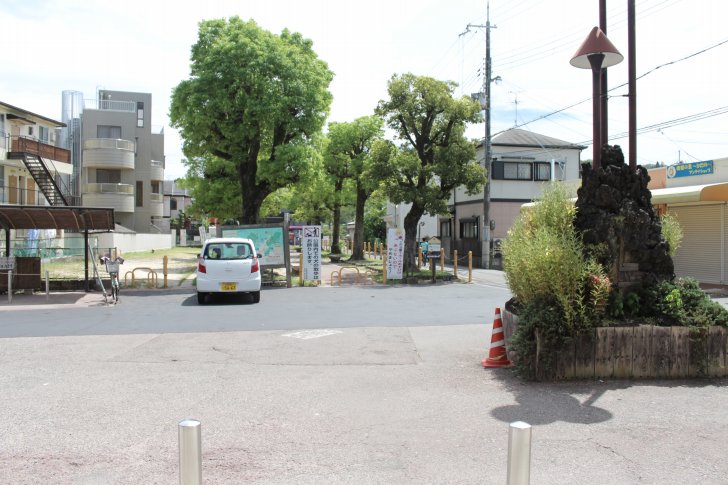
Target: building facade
(30,159)
(122,160)
(697,195)
(522,164)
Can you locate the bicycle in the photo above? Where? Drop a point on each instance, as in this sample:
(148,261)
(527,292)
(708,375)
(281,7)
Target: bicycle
(112,267)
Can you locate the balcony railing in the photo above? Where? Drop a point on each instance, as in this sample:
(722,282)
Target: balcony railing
(31,145)
(110,104)
(157,164)
(156,197)
(106,188)
(108,143)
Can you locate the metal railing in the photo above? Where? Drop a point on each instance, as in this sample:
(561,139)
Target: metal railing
(110,104)
(106,188)
(36,147)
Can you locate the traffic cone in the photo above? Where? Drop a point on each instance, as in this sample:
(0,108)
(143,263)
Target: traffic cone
(497,356)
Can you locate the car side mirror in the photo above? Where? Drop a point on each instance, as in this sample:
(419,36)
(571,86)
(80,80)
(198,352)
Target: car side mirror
(259,255)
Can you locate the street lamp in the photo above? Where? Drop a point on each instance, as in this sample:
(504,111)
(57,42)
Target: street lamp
(596,53)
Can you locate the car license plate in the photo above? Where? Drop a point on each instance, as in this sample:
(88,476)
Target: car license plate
(228,286)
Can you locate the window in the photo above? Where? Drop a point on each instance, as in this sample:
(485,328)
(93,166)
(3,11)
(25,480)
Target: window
(469,228)
(543,171)
(43,134)
(140,114)
(155,186)
(446,228)
(173,204)
(140,193)
(512,170)
(107,131)
(106,176)
(30,131)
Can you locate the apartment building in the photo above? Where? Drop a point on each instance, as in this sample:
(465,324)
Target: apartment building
(122,160)
(33,169)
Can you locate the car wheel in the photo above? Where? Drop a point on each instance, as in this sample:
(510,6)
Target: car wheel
(201,298)
(256,296)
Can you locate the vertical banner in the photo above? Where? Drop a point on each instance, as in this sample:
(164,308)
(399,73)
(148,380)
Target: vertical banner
(395,253)
(311,248)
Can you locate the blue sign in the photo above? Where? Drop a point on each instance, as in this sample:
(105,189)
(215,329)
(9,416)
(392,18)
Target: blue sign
(690,169)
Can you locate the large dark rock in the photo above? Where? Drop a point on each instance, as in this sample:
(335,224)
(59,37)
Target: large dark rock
(618,223)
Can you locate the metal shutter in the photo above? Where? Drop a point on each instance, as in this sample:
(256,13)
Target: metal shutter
(699,255)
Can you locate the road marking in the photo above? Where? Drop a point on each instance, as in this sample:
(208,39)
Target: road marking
(308,334)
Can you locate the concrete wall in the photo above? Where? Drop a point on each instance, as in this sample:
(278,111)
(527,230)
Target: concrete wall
(129,242)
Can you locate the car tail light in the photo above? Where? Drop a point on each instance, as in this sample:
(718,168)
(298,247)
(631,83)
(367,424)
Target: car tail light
(256,267)
(201,266)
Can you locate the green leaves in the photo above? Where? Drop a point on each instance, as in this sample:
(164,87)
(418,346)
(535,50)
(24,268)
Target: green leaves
(256,99)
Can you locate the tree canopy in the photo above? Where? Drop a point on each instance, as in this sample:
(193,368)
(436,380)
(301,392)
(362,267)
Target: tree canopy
(254,99)
(435,156)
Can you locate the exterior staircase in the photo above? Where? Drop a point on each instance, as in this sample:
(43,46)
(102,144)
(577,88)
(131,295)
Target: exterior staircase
(43,178)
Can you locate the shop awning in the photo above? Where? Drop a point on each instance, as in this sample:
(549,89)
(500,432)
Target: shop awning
(691,193)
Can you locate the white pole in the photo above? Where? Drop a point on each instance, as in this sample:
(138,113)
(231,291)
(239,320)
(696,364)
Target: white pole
(48,292)
(519,453)
(190,452)
(10,286)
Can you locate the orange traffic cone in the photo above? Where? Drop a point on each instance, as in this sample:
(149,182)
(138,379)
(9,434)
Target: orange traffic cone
(497,356)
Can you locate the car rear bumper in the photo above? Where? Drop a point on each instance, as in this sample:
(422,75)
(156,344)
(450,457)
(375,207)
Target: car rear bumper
(207,285)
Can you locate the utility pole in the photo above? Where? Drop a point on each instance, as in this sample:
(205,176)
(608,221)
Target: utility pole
(485,103)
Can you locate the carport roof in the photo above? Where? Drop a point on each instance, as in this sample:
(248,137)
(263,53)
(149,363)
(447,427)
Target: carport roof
(56,217)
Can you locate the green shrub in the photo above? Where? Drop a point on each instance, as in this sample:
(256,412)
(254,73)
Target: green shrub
(672,232)
(543,258)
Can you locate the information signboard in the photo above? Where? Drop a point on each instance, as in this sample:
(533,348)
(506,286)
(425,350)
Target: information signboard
(7,264)
(311,248)
(395,253)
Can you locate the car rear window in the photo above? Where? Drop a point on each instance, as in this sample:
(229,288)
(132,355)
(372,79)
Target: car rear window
(231,250)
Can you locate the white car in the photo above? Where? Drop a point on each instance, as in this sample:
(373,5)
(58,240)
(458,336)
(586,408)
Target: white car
(228,265)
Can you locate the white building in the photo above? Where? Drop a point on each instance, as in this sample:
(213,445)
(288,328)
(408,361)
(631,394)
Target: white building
(523,163)
(123,160)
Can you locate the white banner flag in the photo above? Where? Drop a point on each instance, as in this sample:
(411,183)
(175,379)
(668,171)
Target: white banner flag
(311,248)
(395,253)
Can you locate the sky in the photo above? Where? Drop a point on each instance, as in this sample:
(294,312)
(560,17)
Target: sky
(143,46)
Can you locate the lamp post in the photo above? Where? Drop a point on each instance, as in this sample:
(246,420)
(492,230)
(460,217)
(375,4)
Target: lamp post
(596,53)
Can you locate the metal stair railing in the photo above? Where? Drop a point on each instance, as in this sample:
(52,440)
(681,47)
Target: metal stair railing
(42,176)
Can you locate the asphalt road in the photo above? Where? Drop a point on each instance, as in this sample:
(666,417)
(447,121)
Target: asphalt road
(324,386)
(177,311)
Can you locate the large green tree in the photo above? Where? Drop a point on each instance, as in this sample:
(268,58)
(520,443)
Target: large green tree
(347,157)
(254,99)
(435,157)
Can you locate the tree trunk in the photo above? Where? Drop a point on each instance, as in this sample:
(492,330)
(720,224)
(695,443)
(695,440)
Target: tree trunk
(336,230)
(361,200)
(253,195)
(411,220)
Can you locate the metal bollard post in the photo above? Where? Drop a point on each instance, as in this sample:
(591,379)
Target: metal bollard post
(10,286)
(48,290)
(190,452)
(300,269)
(165,260)
(470,266)
(442,259)
(519,453)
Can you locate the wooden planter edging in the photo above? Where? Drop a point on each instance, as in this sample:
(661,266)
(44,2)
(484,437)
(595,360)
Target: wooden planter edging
(645,351)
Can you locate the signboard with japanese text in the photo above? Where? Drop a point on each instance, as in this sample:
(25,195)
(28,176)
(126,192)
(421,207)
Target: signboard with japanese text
(433,246)
(7,264)
(395,253)
(311,249)
(690,169)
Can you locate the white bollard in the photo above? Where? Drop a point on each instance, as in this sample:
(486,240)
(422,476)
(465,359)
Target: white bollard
(519,453)
(10,286)
(190,452)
